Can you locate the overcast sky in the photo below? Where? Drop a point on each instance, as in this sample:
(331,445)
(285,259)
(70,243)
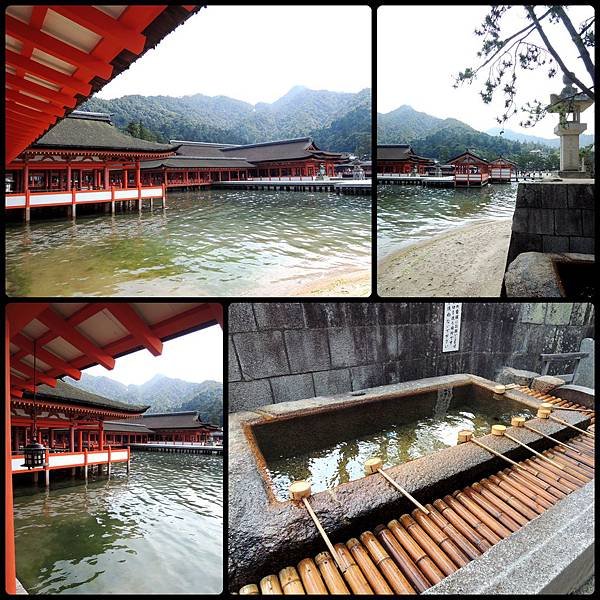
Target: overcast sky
(256,54)
(194,357)
(421,48)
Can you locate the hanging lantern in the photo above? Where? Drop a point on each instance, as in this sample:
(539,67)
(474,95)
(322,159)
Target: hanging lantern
(35,454)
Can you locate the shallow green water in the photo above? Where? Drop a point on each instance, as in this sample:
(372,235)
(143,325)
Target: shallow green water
(396,431)
(215,243)
(160,530)
(407,214)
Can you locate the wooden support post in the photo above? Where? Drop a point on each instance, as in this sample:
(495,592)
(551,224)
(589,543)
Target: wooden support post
(46,467)
(85,463)
(71,439)
(10,576)
(128,459)
(101,436)
(109,459)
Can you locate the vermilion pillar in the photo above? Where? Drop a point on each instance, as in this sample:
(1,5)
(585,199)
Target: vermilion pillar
(10,574)
(71,439)
(101,436)
(80,441)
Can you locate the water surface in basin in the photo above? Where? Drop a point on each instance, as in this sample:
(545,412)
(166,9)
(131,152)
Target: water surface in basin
(331,448)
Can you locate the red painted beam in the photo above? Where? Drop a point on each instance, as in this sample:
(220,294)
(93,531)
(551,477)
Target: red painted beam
(31,115)
(28,101)
(10,569)
(217,311)
(49,358)
(95,20)
(89,310)
(56,98)
(65,330)
(15,392)
(22,313)
(39,377)
(137,327)
(43,72)
(55,47)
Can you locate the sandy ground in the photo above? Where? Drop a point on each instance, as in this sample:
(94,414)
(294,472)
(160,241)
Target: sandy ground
(468,261)
(355,284)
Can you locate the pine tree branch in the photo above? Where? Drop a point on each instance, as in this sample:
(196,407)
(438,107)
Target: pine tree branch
(570,75)
(583,51)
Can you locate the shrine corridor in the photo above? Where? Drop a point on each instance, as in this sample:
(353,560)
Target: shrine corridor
(109,536)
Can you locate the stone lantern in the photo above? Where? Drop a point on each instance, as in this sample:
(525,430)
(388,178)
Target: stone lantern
(357,171)
(569,102)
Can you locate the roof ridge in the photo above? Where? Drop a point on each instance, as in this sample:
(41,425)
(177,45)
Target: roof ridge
(288,141)
(214,144)
(181,412)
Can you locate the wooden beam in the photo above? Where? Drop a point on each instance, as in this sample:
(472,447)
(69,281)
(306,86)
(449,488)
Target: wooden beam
(57,98)
(136,326)
(47,357)
(43,72)
(55,47)
(65,330)
(21,383)
(28,101)
(95,20)
(36,375)
(217,311)
(32,115)
(10,570)
(21,314)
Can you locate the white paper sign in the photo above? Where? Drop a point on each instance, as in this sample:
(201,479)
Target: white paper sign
(452,312)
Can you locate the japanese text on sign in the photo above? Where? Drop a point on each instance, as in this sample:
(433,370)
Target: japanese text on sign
(452,311)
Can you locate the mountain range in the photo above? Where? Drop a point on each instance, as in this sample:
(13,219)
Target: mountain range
(509,134)
(445,138)
(338,121)
(163,394)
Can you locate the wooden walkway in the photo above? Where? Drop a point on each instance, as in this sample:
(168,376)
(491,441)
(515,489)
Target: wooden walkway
(178,448)
(424,180)
(340,186)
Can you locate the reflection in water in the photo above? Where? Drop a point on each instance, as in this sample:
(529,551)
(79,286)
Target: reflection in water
(407,214)
(218,242)
(160,530)
(395,443)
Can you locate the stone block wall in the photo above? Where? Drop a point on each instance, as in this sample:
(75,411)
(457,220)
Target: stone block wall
(290,351)
(553,217)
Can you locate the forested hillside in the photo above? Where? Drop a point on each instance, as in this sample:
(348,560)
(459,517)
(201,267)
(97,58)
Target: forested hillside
(338,121)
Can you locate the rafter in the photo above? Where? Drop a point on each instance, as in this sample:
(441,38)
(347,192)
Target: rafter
(28,101)
(39,377)
(21,314)
(43,72)
(217,311)
(95,20)
(47,357)
(31,115)
(136,326)
(65,330)
(56,98)
(55,47)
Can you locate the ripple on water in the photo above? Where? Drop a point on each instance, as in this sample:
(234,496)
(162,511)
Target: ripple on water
(209,243)
(408,214)
(101,538)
